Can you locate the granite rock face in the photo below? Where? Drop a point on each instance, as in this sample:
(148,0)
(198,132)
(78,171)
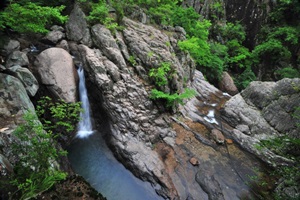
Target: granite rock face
(262,111)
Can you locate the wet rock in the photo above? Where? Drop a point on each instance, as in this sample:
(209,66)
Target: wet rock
(27,78)
(77,28)
(210,185)
(57,72)
(17,58)
(217,136)
(227,84)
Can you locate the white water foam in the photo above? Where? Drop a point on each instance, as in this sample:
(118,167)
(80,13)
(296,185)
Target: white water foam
(210,117)
(85,127)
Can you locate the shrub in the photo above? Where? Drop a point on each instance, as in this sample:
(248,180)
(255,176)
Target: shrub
(172,99)
(287,72)
(160,74)
(35,169)
(59,117)
(245,78)
(30,18)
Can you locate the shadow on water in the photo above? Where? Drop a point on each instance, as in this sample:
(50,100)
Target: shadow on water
(91,158)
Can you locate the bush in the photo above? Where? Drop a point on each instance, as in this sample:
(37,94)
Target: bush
(160,74)
(59,117)
(35,170)
(30,18)
(172,99)
(287,72)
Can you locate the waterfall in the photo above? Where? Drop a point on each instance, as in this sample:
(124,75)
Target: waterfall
(85,125)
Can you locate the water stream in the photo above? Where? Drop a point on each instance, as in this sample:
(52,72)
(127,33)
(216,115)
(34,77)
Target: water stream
(91,158)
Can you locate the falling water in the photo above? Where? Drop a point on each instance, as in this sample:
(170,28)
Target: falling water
(85,128)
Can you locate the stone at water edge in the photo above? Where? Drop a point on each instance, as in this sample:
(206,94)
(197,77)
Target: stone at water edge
(229,141)
(217,136)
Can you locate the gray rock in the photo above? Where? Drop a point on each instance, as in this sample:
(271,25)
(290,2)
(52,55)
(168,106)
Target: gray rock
(217,136)
(104,40)
(17,58)
(64,45)
(77,28)
(14,100)
(10,46)
(153,47)
(27,78)
(263,110)
(54,36)
(57,72)
(227,84)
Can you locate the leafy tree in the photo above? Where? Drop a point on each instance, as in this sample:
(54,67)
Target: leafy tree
(30,17)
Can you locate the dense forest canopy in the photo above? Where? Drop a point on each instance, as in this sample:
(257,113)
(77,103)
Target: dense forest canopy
(215,44)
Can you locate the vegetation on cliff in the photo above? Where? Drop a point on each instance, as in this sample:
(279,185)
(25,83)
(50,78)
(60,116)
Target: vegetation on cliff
(215,45)
(38,151)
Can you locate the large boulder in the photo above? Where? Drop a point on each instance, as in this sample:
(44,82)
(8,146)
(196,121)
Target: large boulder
(14,100)
(57,72)
(226,84)
(77,28)
(264,110)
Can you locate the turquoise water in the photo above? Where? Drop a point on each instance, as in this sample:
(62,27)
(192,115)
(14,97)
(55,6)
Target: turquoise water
(92,159)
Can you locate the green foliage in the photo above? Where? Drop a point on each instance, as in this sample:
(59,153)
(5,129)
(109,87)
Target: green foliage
(271,50)
(287,72)
(172,99)
(59,117)
(245,78)
(100,14)
(160,74)
(30,18)
(132,60)
(35,169)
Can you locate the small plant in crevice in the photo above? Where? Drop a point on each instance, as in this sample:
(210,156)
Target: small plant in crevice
(160,76)
(172,99)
